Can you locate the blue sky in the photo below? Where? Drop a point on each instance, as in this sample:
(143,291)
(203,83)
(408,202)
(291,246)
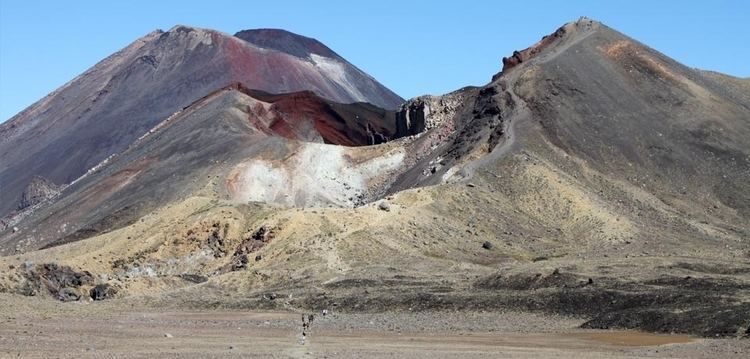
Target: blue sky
(413,47)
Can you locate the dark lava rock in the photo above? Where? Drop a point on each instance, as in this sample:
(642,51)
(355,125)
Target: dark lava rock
(720,320)
(262,234)
(529,281)
(54,276)
(708,308)
(353,283)
(68,294)
(239,262)
(487,245)
(215,241)
(59,281)
(253,243)
(195,278)
(102,291)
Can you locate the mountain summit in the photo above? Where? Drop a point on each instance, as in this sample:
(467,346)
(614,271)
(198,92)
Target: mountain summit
(287,42)
(106,108)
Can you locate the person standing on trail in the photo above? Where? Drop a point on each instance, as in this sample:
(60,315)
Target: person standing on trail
(305,324)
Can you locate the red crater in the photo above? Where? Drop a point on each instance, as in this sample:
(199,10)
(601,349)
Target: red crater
(305,116)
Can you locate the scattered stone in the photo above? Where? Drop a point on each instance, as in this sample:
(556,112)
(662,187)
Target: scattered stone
(258,257)
(470,185)
(487,245)
(239,261)
(68,294)
(102,291)
(167,335)
(384,206)
(194,278)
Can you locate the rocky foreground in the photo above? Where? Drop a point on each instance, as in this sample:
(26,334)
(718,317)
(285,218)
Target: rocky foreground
(39,329)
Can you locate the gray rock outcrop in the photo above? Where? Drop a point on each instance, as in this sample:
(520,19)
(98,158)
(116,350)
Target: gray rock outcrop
(37,191)
(426,112)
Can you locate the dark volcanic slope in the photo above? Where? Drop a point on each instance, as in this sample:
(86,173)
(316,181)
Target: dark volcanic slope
(104,109)
(626,109)
(185,153)
(620,108)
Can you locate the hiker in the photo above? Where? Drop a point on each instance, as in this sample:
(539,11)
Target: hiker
(305,325)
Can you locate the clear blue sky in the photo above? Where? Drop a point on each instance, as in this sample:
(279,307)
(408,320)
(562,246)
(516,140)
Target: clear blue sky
(413,47)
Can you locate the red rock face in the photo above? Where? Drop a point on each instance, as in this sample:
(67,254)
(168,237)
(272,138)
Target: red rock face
(294,113)
(305,116)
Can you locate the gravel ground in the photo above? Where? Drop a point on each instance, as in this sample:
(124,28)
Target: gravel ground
(37,328)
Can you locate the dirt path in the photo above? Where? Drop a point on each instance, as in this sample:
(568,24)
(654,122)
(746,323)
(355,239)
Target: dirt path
(109,332)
